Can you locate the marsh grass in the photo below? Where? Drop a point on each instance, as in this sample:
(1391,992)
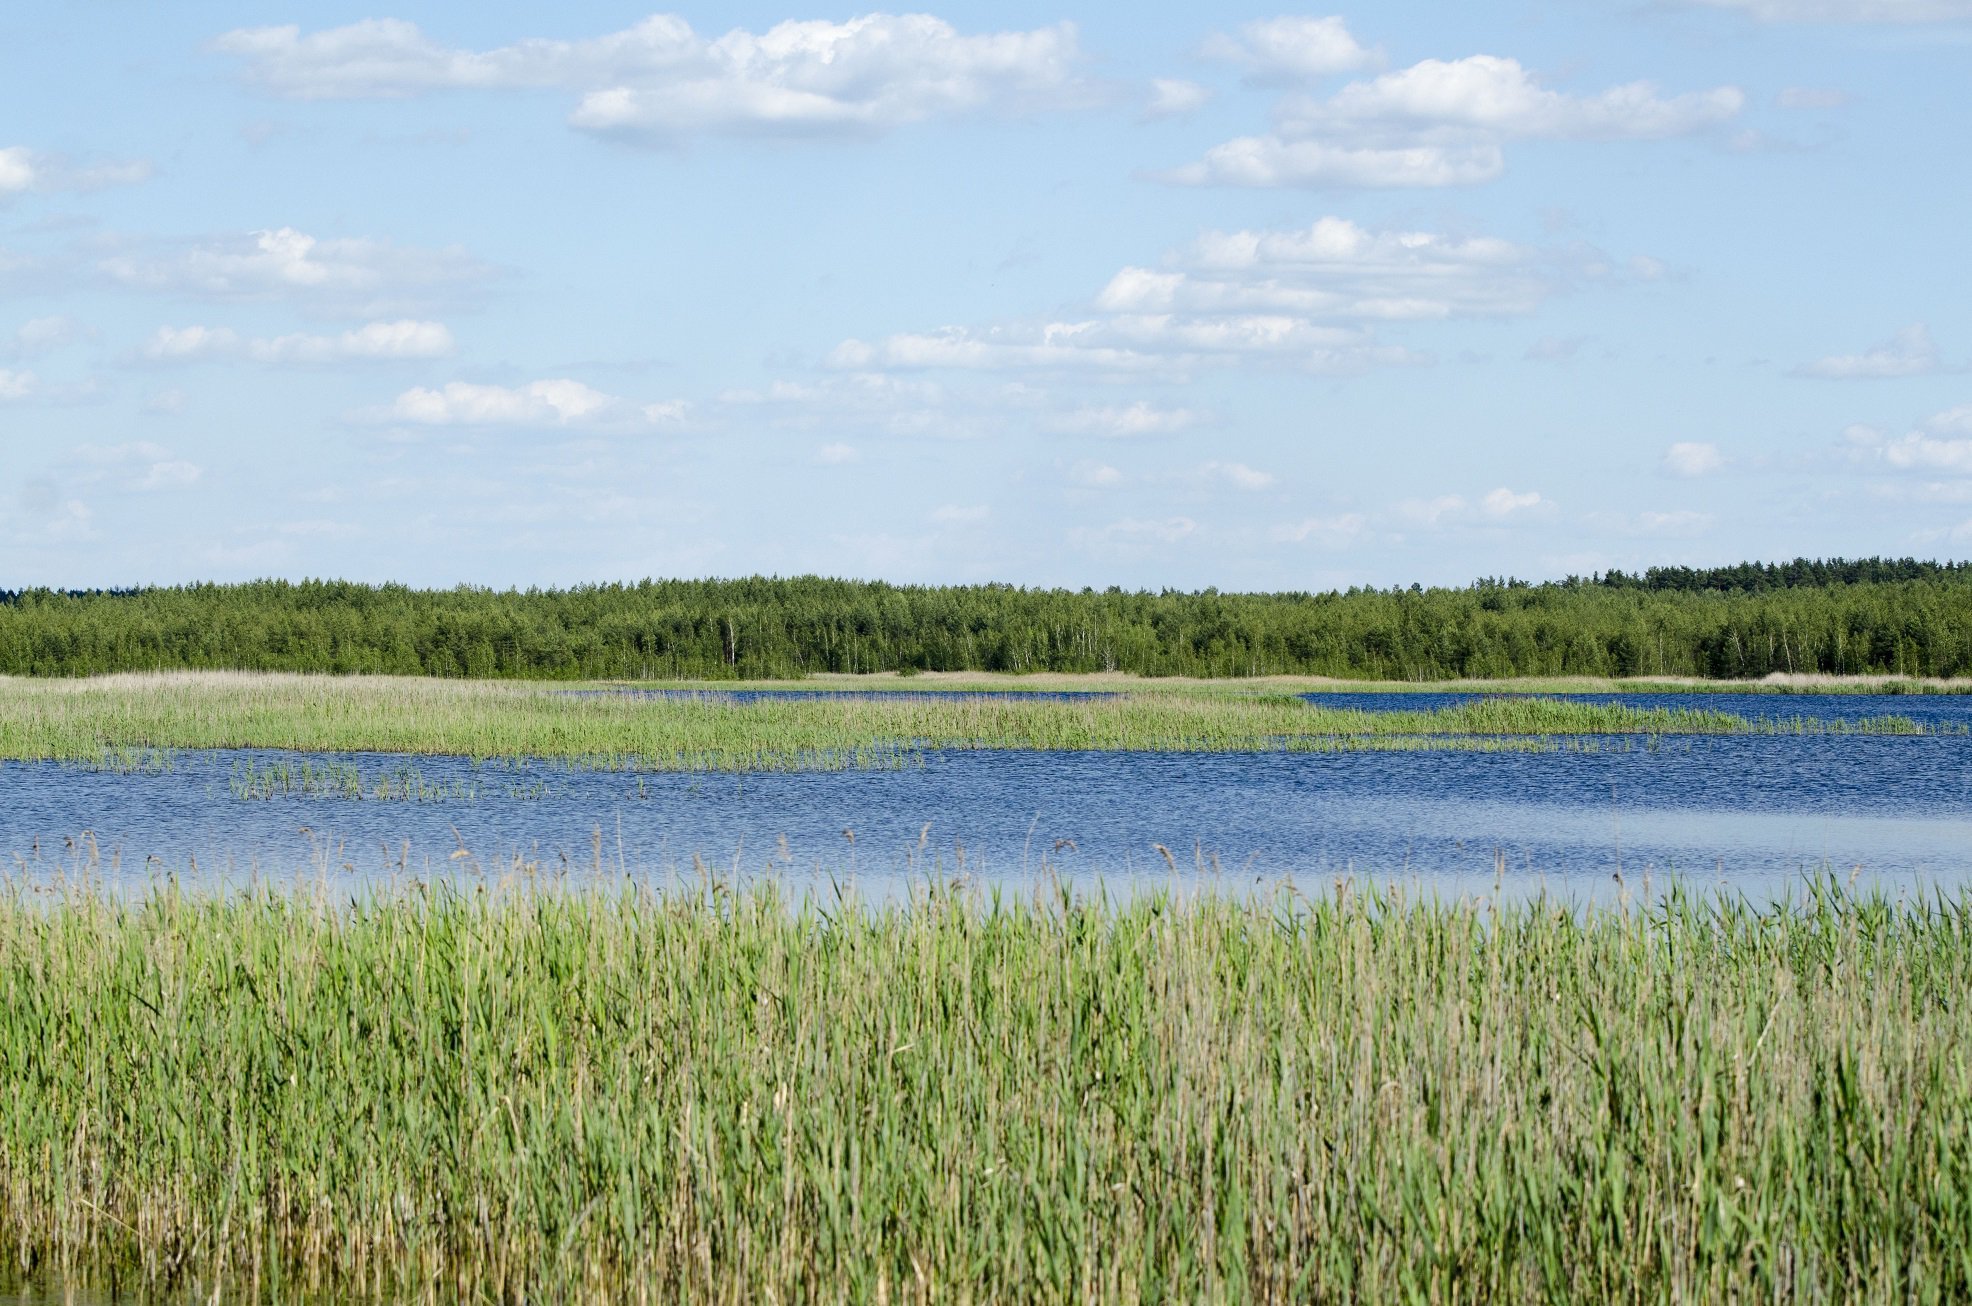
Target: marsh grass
(99,720)
(616,1095)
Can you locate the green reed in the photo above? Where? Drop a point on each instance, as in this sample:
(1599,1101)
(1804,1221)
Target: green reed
(613,1095)
(89,720)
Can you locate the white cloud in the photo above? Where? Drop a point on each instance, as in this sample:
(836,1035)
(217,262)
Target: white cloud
(1681,522)
(1307,297)
(541,403)
(1330,532)
(1941,443)
(1134,533)
(1693,458)
(166,403)
(1454,509)
(1172,97)
(1264,161)
(661,80)
(1849,11)
(1291,49)
(42,335)
(137,466)
(837,454)
(1908,353)
(1137,419)
(1056,344)
(1502,503)
(340,275)
(17,172)
(23,170)
(1237,475)
(15,385)
(1092,475)
(1443,123)
(873,401)
(182,344)
(376,342)
(1493,94)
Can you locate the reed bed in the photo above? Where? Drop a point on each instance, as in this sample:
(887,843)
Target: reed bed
(613,1095)
(98,721)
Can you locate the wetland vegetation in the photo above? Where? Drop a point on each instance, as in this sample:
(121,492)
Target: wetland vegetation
(137,720)
(603,1094)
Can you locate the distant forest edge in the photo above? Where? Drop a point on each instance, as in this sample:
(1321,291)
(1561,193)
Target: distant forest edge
(1863,616)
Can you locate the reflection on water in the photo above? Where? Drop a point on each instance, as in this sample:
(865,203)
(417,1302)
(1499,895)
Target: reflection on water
(1751,810)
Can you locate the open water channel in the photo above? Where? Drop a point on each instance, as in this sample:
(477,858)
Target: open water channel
(1755,812)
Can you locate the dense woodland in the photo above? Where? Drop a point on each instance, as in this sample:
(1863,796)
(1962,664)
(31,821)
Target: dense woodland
(1871,615)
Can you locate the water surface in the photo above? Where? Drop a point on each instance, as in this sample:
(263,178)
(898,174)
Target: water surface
(1752,811)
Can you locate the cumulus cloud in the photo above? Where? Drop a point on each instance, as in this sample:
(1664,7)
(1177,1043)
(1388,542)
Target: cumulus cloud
(376,342)
(1308,297)
(1693,458)
(1849,11)
(1237,475)
(559,402)
(1123,422)
(1093,475)
(871,401)
(1503,502)
(1273,160)
(345,275)
(23,170)
(1133,534)
(1495,505)
(42,335)
(15,385)
(1908,353)
(540,403)
(1329,532)
(660,80)
(836,454)
(1173,97)
(1292,49)
(1443,122)
(17,171)
(139,466)
(1941,443)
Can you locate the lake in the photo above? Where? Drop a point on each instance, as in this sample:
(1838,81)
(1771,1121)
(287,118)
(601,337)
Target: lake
(1754,811)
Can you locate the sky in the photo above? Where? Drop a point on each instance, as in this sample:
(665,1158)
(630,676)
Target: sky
(1070,293)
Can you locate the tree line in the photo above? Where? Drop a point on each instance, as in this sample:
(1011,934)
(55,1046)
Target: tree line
(1841,616)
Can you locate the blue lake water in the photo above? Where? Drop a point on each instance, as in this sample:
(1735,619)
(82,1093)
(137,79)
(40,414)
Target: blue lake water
(1752,811)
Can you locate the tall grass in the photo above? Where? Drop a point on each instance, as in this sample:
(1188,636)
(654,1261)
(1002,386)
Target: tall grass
(618,1096)
(89,720)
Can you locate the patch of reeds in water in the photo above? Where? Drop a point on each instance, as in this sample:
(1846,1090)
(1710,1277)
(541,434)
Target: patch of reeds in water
(90,721)
(614,1096)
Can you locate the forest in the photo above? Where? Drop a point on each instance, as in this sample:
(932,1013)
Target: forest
(1836,616)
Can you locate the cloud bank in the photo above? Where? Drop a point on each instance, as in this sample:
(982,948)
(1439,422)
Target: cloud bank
(661,81)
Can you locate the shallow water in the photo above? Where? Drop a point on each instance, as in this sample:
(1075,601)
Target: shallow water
(1753,811)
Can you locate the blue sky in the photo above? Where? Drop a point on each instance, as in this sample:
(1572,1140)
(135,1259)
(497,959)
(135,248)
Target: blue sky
(516,295)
